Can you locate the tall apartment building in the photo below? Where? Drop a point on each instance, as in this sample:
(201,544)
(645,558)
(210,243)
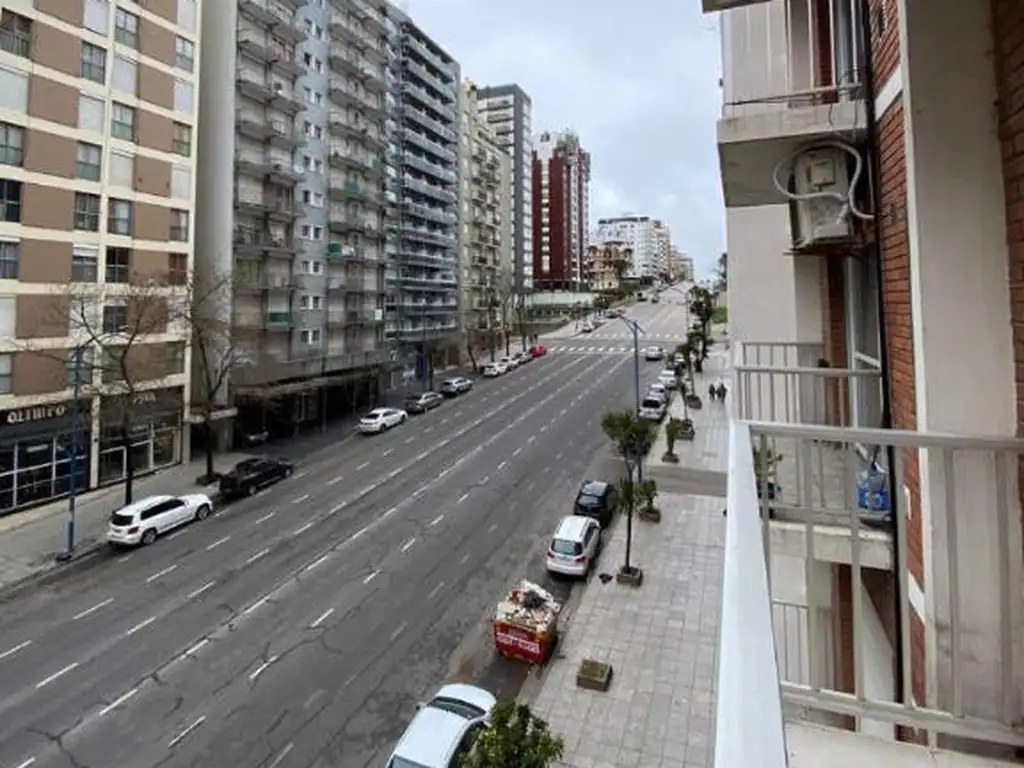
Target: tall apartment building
(97,116)
(639,234)
(681,265)
(290,190)
(662,247)
(423,256)
(561,210)
(889,300)
(509,111)
(485,248)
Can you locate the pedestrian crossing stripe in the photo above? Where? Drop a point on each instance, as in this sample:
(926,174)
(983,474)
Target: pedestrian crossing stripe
(595,350)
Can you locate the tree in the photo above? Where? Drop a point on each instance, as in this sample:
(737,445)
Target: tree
(722,273)
(505,297)
(514,738)
(633,437)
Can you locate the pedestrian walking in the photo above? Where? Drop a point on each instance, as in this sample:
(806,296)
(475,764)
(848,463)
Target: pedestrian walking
(712,392)
(721,392)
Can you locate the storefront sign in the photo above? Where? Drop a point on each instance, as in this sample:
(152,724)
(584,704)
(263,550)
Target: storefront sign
(34,413)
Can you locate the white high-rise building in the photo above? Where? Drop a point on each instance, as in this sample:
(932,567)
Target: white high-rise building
(638,233)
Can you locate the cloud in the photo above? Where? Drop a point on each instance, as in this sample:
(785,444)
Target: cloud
(640,88)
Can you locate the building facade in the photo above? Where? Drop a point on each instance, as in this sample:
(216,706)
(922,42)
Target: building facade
(639,234)
(662,248)
(97,112)
(680,265)
(422,306)
(603,264)
(561,211)
(509,109)
(903,283)
(485,250)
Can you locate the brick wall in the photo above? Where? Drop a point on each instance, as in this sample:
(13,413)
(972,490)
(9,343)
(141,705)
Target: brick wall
(885,39)
(833,301)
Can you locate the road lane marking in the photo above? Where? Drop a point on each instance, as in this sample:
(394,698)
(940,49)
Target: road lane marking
(45,682)
(389,513)
(388,452)
(312,698)
(558,457)
(184,734)
(436,520)
(502,465)
(517,451)
(338,507)
(359,533)
(563,412)
(463,559)
(217,543)
(394,473)
(485,480)
(257,556)
(126,558)
(198,592)
(27,763)
(196,648)
(370,577)
(140,626)
(369,489)
(322,618)
(303,473)
(398,631)
(532,438)
(362,466)
(303,528)
(90,611)
(493,528)
(408,545)
(334,480)
(317,563)
(408,440)
(282,755)
(435,590)
(255,606)
(261,668)
(118,702)
(300,499)
(162,573)
(444,421)
(530,487)
(263,519)
(11,651)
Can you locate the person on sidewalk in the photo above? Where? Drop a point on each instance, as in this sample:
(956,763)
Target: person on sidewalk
(721,391)
(712,392)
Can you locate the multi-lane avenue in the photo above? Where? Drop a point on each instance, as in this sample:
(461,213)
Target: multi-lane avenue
(299,627)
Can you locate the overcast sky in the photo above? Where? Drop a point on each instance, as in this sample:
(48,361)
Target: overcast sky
(637,81)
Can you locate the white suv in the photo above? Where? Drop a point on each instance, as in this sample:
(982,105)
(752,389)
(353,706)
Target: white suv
(443,730)
(141,522)
(575,546)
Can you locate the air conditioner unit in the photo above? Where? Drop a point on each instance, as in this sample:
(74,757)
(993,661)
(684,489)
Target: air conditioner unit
(826,218)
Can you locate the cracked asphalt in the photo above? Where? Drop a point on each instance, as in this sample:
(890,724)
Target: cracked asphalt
(299,627)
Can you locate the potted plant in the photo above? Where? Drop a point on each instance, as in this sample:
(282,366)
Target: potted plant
(633,437)
(672,432)
(646,496)
(513,735)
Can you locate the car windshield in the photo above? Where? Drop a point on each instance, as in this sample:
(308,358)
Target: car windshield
(566,547)
(456,707)
(401,762)
(246,464)
(374,415)
(117,518)
(588,500)
(650,402)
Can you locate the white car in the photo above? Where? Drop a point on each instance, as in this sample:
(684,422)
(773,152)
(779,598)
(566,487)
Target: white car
(654,353)
(443,728)
(652,408)
(657,389)
(668,378)
(574,546)
(587,328)
(493,370)
(142,521)
(510,363)
(381,419)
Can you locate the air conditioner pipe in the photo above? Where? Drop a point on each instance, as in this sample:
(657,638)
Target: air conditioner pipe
(848,200)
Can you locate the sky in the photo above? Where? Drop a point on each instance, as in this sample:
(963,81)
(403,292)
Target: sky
(639,88)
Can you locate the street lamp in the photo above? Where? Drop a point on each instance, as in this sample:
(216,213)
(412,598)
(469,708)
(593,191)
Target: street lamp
(637,331)
(76,374)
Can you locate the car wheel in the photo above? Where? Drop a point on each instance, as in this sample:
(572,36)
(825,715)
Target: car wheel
(250,490)
(148,537)
(403,419)
(288,472)
(203,512)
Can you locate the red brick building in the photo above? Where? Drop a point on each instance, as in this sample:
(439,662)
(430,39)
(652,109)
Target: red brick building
(561,209)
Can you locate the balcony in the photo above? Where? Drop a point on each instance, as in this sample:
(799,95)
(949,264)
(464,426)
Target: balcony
(423,258)
(443,87)
(355,34)
(427,54)
(791,77)
(363,162)
(250,241)
(417,139)
(414,94)
(434,126)
(428,212)
(438,193)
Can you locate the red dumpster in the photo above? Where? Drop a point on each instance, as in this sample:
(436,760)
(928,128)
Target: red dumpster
(525,624)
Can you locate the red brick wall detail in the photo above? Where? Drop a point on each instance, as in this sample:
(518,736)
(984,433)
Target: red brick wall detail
(885,39)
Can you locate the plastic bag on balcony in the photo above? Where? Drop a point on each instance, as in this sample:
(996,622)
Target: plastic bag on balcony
(873,490)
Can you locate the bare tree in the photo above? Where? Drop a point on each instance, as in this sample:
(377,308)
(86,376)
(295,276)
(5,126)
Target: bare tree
(505,297)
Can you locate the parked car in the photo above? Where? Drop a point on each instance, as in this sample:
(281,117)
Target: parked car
(522,358)
(659,390)
(538,350)
(443,730)
(142,521)
(250,475)
(422,403)
(668,378)
(597,499)
(574,546)
(493,370)
(653,408)
(511,362)
(587,327)
(457,386)
(654,354)
(381,419)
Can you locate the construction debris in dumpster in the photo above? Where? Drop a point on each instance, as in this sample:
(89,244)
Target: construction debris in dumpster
(525,622)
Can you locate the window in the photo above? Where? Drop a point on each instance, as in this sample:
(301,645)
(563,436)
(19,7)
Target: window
(122,170)
(87,212)
(84,263)
(125,76)
(317,302)
(311,337)
(177,268)
(79,367)
(9,252)
(12,144)
(187,14)
(93,63)
(115,318)
(6,366)
(181,182)
(119,217)
(113,357)
(13,90)
(175,358)
(179,225)
(181,142)
(183,96)
(10,199)
(15,33)
(119,265)
(90,114)
(122,121)
(311,302)
(88,161)
(96,14)
(126,28)
(185,54)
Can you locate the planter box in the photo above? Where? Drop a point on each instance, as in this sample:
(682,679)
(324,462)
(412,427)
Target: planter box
(594,675)
(650,515)
(634,577)
(670,458)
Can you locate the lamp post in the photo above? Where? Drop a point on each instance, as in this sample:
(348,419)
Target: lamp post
(637,330)
(76,374)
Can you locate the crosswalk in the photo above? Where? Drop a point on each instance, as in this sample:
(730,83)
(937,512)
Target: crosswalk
(592,349)
(649,337)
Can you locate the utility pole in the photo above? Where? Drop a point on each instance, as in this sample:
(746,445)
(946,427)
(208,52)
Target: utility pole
(634,326)
(76,374)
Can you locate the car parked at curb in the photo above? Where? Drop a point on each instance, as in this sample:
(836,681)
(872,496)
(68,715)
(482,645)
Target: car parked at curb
(511,362)
(494,370)
(538,350)
(653,408)
(141,522)
(574,546)
(444,728)
(597,499)
(457,386)
(382,419)
(654,354)
(422,403)
(251,475)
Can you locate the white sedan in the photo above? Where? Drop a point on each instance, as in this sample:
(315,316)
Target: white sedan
(142,521)
(382,419)
(494,370)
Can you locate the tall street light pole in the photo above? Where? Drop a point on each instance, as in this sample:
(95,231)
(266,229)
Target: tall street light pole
(636,330)
(76,373)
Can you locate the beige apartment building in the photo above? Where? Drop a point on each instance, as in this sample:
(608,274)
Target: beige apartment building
(603,264)
(486,295)
(97,115)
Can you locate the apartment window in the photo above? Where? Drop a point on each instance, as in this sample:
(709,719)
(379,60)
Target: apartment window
(15,33)
(181,182)
(181,141)
(179,225)
(114,359)
(119,265)
(177,268)
(183,96)
(122,121)
(121,172)
(96,14)
(84,263)
(6,379)
(88,161)
(90,114)
(115,318)
(10,199)
(119,217)
(175,358)
(125,76)
(13,90)
(185,54)
(187,14)
(311,337)
(317,302)
(10,250)
(87,212)
(80,365)
(93,63)
(306,302)
(12,144)
(126,28)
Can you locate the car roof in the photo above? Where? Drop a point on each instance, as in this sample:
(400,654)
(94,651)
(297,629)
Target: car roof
(143,504)
(594,487)
(378,411)
(431,737)
(572,527)
(470,694)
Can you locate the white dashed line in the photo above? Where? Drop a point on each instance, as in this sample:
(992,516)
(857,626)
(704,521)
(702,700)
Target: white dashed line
(389,513)
(303,473)
(300,499)
(436,520)
(388,452)
(140,626)
(257,556)
(370,577)
(462,498)
(196,648)
(335,480)
(198,592)
(184,734)
(125,558)
(435,590)
(217,543)
(544,428)
(27,763)
(398,631)
(264,519)
(530,487)
(261,668)
(394,473)
(485,480)
(408,440)
(317,563)
(359,533)
(282,755)
(502,465)
(162,573)
(318,693)
(493,528)
(362,466)
(302,529)
(11,651)
(563,412)
(408,545)
(338,507)
(463,559)
(517,451)
(45,682)
(322,618)
(531,439)
(558,457)
(90,611)
(255,606)
(118,702)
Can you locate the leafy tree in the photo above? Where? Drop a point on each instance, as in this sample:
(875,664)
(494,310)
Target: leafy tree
(515,738)
(722,273)
(633,437)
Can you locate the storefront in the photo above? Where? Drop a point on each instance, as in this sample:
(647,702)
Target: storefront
(155,431)
(36,447)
